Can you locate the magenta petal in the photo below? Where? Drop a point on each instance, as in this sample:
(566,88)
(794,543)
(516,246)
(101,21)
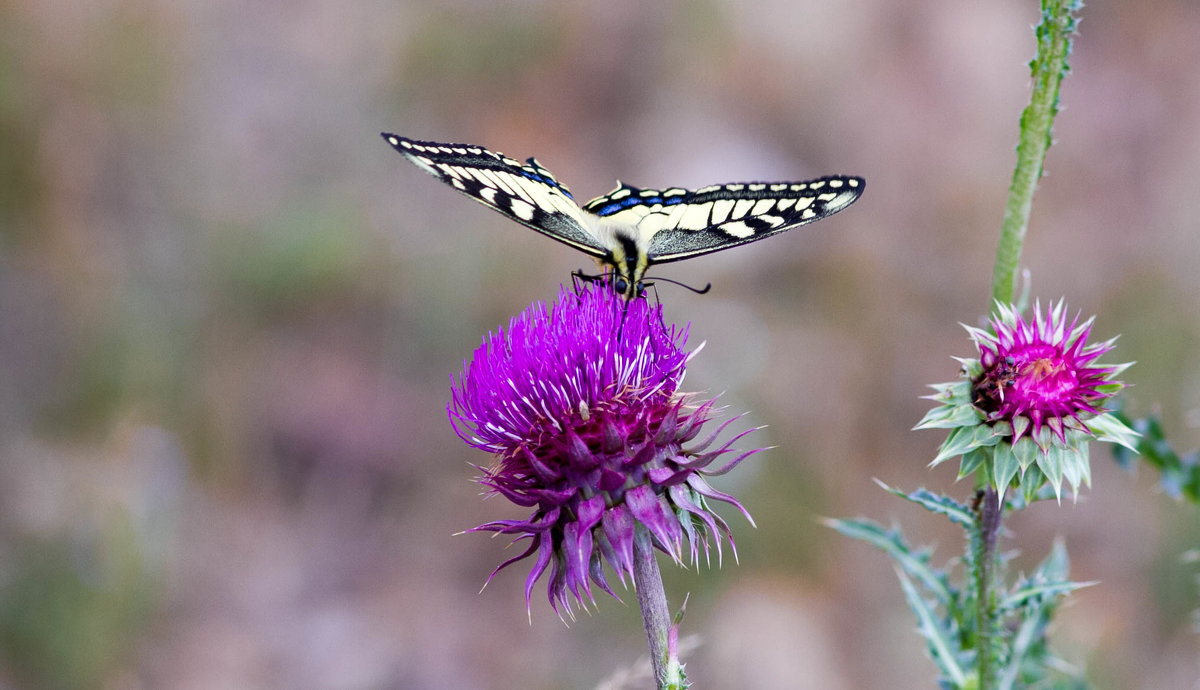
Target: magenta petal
(650,511)
(610,479)
(619,529)
(545,473)
(596,570)
(578,453)
(577,552)
(545,553)
(666,476)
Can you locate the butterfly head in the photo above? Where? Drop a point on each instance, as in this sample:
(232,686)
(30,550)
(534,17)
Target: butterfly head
(626,262)
(627,288)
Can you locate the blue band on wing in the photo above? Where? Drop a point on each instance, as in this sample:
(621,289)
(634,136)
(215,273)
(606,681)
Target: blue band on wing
(547,181)
(630,202)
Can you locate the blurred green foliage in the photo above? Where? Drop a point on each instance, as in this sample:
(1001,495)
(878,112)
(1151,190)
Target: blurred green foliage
(73,607)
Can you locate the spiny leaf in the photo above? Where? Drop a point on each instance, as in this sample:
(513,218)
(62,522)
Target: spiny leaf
(941,642)
(937,503)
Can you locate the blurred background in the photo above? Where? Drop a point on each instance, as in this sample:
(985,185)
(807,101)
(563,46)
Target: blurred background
(229,314)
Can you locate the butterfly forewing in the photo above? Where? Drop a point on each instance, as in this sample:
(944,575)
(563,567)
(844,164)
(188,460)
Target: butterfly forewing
(678,223)
(529,194)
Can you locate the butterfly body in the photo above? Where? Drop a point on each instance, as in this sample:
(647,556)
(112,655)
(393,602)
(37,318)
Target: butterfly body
(631,229)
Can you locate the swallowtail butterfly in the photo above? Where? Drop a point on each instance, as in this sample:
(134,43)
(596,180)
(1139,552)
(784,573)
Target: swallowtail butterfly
(629,229)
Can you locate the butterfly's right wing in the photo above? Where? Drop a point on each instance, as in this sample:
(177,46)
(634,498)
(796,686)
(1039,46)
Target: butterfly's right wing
(529,194)
(680,223)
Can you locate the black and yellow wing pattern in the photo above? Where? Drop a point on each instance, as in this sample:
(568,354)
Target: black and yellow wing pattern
(630,229)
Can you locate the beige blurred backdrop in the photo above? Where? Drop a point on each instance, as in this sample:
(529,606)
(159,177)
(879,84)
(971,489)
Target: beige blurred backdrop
(229,314)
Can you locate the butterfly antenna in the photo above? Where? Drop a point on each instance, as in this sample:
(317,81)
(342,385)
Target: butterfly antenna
(578,279)
(699,291)
(579,275)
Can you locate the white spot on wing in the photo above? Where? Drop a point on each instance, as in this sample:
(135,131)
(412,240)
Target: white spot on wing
(565,206)
(522,210)
(762,207)
(651,224)
(537,192)
(721,209)
(675,216)
(483,179)
(738,229)
(503,181)
(742,207)
(695,217)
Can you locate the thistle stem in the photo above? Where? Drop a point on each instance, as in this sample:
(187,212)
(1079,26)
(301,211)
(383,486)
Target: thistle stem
(1048,68)
(660,635)
(990,513)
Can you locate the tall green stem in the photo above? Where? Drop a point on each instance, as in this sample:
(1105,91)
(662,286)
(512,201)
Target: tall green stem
(990,512)
(668,674)
(1048,67)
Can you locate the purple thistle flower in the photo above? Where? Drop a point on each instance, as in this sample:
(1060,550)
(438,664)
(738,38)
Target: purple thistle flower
(1028,407)
(1041,372)
(580,404)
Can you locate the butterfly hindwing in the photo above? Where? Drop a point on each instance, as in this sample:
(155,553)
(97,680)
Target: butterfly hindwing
(528,193)
(677,223)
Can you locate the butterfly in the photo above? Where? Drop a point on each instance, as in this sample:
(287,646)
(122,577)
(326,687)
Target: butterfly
(630,229)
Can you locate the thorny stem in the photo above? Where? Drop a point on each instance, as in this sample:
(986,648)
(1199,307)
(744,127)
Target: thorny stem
(990,513)
(668,674)
(1048,68)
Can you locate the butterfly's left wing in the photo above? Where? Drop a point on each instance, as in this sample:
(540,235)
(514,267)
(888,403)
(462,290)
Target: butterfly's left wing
(678,223)
(529,193)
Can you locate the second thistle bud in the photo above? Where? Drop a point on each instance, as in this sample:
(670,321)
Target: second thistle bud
(1027,407)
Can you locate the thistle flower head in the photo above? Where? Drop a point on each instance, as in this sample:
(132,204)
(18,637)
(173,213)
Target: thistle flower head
(1030,402)
(1040,372)
(579,403)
